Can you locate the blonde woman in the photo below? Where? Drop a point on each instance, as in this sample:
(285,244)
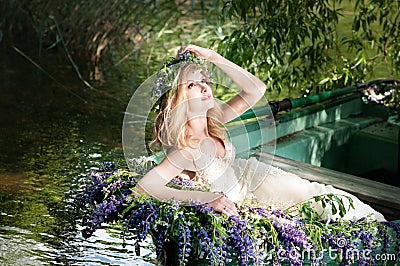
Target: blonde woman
(189,128)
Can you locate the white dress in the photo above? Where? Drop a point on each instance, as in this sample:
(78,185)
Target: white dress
(241,179)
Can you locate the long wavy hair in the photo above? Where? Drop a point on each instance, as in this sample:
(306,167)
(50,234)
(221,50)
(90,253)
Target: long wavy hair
(170,124)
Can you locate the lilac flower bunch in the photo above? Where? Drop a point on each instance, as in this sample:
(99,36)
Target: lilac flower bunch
(184,240)
(384,232)
(184,183)
(396,228)
(181,182)
(241,242)
(103,198)
(138,219)
(291,231)
(189,232)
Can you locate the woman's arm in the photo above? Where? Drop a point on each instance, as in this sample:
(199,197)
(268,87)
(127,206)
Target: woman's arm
(154,183)
(252,88)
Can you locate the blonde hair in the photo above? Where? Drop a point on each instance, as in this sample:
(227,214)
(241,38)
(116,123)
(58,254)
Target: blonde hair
(170,124)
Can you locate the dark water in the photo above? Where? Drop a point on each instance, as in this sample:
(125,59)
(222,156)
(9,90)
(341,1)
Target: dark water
(53,133)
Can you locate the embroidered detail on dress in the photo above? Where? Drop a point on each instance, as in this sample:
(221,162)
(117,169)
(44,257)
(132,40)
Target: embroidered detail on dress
(210,168)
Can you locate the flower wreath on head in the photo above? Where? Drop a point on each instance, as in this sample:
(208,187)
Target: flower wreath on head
(167,74)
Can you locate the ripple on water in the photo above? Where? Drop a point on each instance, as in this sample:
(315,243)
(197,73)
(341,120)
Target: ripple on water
(17,247)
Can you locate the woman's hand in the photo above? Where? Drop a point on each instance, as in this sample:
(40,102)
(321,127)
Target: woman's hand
(224,205)
(201,52)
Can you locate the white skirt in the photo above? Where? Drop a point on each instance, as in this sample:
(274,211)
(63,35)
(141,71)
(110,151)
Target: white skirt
(250,179)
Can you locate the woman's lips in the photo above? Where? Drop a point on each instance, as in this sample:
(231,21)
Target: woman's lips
(206,97)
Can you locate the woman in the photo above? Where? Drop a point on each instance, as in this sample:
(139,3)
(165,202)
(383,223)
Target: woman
(189,127)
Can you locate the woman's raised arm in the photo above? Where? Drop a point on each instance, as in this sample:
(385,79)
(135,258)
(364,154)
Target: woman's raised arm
(252,88)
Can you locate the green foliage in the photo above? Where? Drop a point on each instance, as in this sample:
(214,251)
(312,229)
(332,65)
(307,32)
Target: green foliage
(335,202)
(285,42)
(376,35)
(298,44)
(133,37)
(304,46)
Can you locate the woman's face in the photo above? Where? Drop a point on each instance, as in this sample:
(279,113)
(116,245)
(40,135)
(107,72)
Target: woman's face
(198,91)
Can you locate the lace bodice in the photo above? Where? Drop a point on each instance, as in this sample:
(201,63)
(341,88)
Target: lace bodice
(209,167)
(220,175)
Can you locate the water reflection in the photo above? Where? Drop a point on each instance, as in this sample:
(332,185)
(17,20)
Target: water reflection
(103,248)
(49,141)
(17,248)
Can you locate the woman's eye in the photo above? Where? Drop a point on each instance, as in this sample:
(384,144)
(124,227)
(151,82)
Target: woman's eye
(206,81)
(191,84)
